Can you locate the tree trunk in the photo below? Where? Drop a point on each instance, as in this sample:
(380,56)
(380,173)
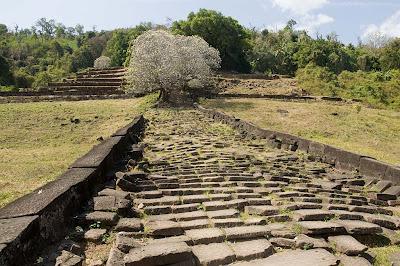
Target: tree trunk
(175,98)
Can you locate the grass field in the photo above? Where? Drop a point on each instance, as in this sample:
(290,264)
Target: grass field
(355,128)
(38,141)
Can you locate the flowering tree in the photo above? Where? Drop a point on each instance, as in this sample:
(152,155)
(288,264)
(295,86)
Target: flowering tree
(102,62)
(175,65)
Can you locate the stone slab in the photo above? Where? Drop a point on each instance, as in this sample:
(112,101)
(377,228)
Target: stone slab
(320,228)
(359,227)
(372,168)
(98,154)
(250,250)
(213,254)
(353,261)
(205,236)
(347,245)
(11,229)
(158,254)
(59,191)
(313,257)
(246,232)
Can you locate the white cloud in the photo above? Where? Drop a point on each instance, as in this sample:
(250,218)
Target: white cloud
(390,27)
(310,23)
(302,12)
(301,7)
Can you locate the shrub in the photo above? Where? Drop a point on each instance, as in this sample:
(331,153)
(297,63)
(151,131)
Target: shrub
(102,62)
(23,79)
(176,65)
(5,72)
(390,57)
(317,80)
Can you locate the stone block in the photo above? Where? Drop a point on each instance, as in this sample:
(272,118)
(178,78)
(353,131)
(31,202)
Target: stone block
(393,174)
(158,254)
(95,235)
(250,250)
(372,168)
(246,232)
(313,257)
(360,227)
(164,228)
(348,161)
(316,149)
(205,236)
(98,155)
(213,254)
(347,245)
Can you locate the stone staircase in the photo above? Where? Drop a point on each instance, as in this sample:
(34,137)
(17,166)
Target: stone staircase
(90,82)
(204,194)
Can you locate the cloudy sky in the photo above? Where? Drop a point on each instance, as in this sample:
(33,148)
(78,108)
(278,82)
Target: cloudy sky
(350,19)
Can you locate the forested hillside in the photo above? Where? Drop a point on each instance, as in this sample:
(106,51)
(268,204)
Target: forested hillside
(369,70)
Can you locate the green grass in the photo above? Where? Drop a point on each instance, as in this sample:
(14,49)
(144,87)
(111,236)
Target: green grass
(38,141)
(383,254)
(363,130)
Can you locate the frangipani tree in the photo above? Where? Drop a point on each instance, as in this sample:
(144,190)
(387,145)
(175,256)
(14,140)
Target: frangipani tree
(175,65)
(102,62)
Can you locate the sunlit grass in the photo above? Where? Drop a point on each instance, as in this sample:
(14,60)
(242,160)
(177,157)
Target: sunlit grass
(363,130)
(38,141)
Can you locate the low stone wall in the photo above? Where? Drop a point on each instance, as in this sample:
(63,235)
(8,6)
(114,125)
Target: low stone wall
(35,221)
(69,98)
(285,97)
(341,159)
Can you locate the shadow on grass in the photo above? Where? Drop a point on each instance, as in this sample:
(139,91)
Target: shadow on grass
(229,105)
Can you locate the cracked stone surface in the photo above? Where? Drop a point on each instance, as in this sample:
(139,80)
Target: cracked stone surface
(204,194)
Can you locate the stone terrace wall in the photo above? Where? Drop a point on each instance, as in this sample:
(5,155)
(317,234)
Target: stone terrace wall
(341,159)
(54,98)
(41,218)
(285,97)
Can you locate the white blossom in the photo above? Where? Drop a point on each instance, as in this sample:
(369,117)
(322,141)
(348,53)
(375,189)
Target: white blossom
(102,62)
(166,62)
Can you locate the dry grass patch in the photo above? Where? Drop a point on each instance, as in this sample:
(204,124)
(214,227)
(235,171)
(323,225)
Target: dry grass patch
(359,129)
(38,141)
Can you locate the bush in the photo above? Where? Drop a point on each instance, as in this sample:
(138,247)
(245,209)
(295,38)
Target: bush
(378,89)
(317,80)
(23,79)
(102,62)
(175,65)
(5,72)
(390,57)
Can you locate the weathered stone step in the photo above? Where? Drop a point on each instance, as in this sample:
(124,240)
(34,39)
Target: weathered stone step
(313,257)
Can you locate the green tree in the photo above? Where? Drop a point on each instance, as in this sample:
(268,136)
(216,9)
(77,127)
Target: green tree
(5,72)
(3,29)
(390,57)
(221,32)
(328,53)
(274,51)
(118,46)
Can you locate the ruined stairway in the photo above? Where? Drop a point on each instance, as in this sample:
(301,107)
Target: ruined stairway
(204,194)
(90,82)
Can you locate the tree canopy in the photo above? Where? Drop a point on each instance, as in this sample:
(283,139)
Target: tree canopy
(175,65)
(221,32)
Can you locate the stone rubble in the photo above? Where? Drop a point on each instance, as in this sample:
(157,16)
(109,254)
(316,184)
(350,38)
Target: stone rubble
(204,194)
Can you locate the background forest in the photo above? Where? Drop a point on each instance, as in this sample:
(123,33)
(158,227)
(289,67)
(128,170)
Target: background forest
(370,70)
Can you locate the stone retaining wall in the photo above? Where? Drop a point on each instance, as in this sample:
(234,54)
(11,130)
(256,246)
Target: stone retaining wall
(285,97)
(341,159)
(53,98)
(43,217)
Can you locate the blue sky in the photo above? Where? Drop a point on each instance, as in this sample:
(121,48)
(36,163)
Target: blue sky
(350,19)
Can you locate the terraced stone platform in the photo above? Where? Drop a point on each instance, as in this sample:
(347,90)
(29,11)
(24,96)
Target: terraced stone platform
(204,194)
